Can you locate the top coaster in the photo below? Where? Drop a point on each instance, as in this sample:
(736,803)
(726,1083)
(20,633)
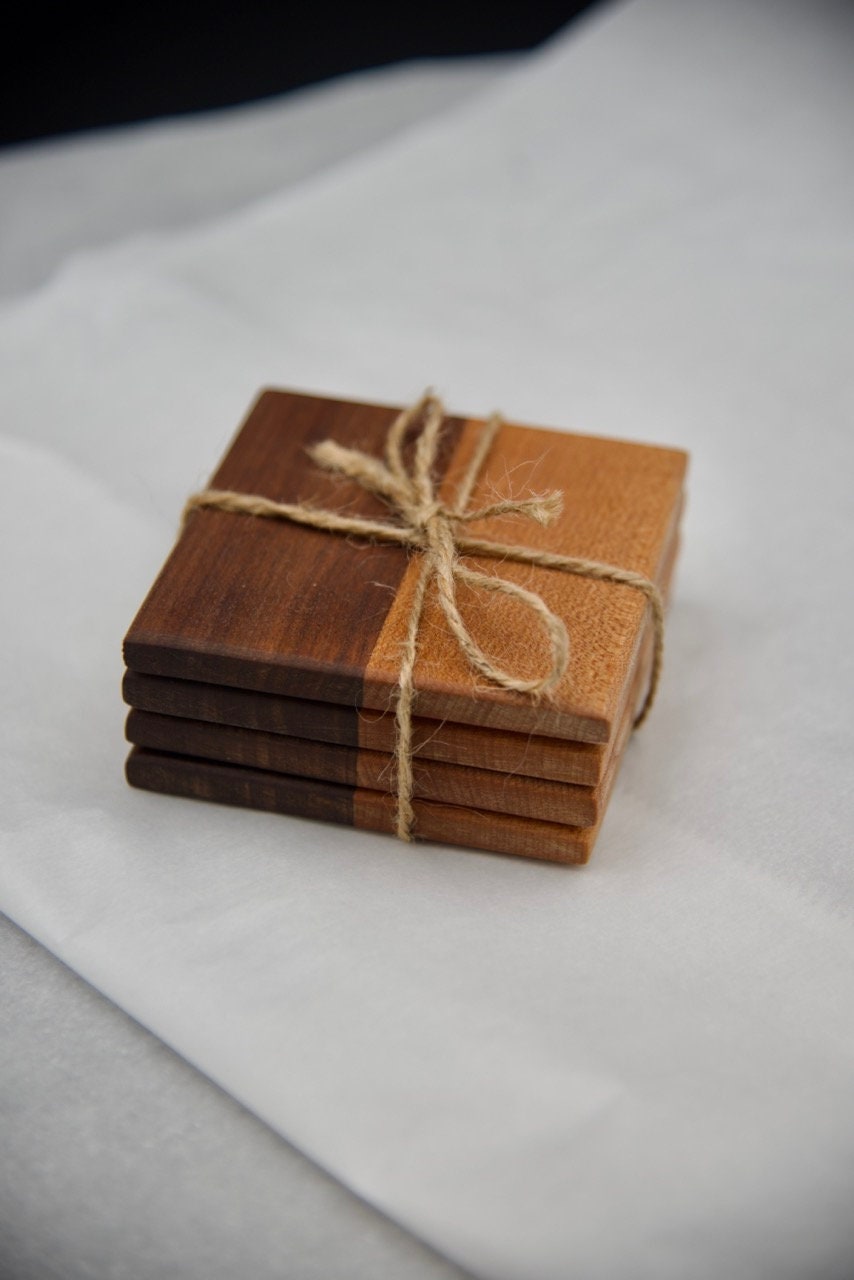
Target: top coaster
(272,606)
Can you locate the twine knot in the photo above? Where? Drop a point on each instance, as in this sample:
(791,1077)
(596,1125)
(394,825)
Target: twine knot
(434,529)
(437,531)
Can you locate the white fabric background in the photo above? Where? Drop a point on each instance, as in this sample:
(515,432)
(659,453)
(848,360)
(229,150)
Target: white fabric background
(639,1069)
(121,1160)
(118,1158)
(61,195)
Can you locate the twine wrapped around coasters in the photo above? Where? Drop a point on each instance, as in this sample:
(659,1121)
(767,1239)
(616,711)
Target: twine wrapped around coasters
(434,529)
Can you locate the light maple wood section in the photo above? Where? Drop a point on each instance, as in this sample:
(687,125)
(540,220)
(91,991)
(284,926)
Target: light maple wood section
(579,808)
(621,506)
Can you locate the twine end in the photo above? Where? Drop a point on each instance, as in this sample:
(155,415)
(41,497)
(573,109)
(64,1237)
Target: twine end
(546,508)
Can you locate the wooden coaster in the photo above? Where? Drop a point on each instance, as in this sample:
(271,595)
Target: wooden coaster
(467,785)
(372,733)
(269,606)
(374,770)
(580,763)
(356,807)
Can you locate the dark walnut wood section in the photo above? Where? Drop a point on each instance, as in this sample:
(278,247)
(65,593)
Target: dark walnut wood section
(267,605)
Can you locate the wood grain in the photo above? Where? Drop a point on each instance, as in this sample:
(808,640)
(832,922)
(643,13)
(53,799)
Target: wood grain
(373,770)
(370,810)
(271,607)
(580,763)
(266,605)
(353,765)
(622,504)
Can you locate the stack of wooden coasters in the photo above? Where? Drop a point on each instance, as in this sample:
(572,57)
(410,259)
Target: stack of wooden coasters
(265,664)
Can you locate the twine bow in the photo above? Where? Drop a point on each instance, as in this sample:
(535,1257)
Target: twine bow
(427,525)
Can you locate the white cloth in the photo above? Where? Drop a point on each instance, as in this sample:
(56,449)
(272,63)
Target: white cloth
(63,195)
(639,1069)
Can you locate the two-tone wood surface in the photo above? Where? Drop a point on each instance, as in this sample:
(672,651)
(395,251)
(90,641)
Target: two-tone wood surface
(271,606)
(505,752)
(265,659)
(466,785)
(355,807)
(372,733)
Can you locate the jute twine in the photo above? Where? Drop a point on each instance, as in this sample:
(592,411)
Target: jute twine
(435,530)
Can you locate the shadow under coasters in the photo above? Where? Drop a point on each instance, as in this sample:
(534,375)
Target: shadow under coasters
(268,614)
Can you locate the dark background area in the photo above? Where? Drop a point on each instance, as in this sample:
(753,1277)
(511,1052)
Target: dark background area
(64,68)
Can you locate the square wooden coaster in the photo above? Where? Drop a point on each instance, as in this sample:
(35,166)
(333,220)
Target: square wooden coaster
(274,607)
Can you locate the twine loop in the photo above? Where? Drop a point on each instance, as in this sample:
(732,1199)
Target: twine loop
(437,531)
